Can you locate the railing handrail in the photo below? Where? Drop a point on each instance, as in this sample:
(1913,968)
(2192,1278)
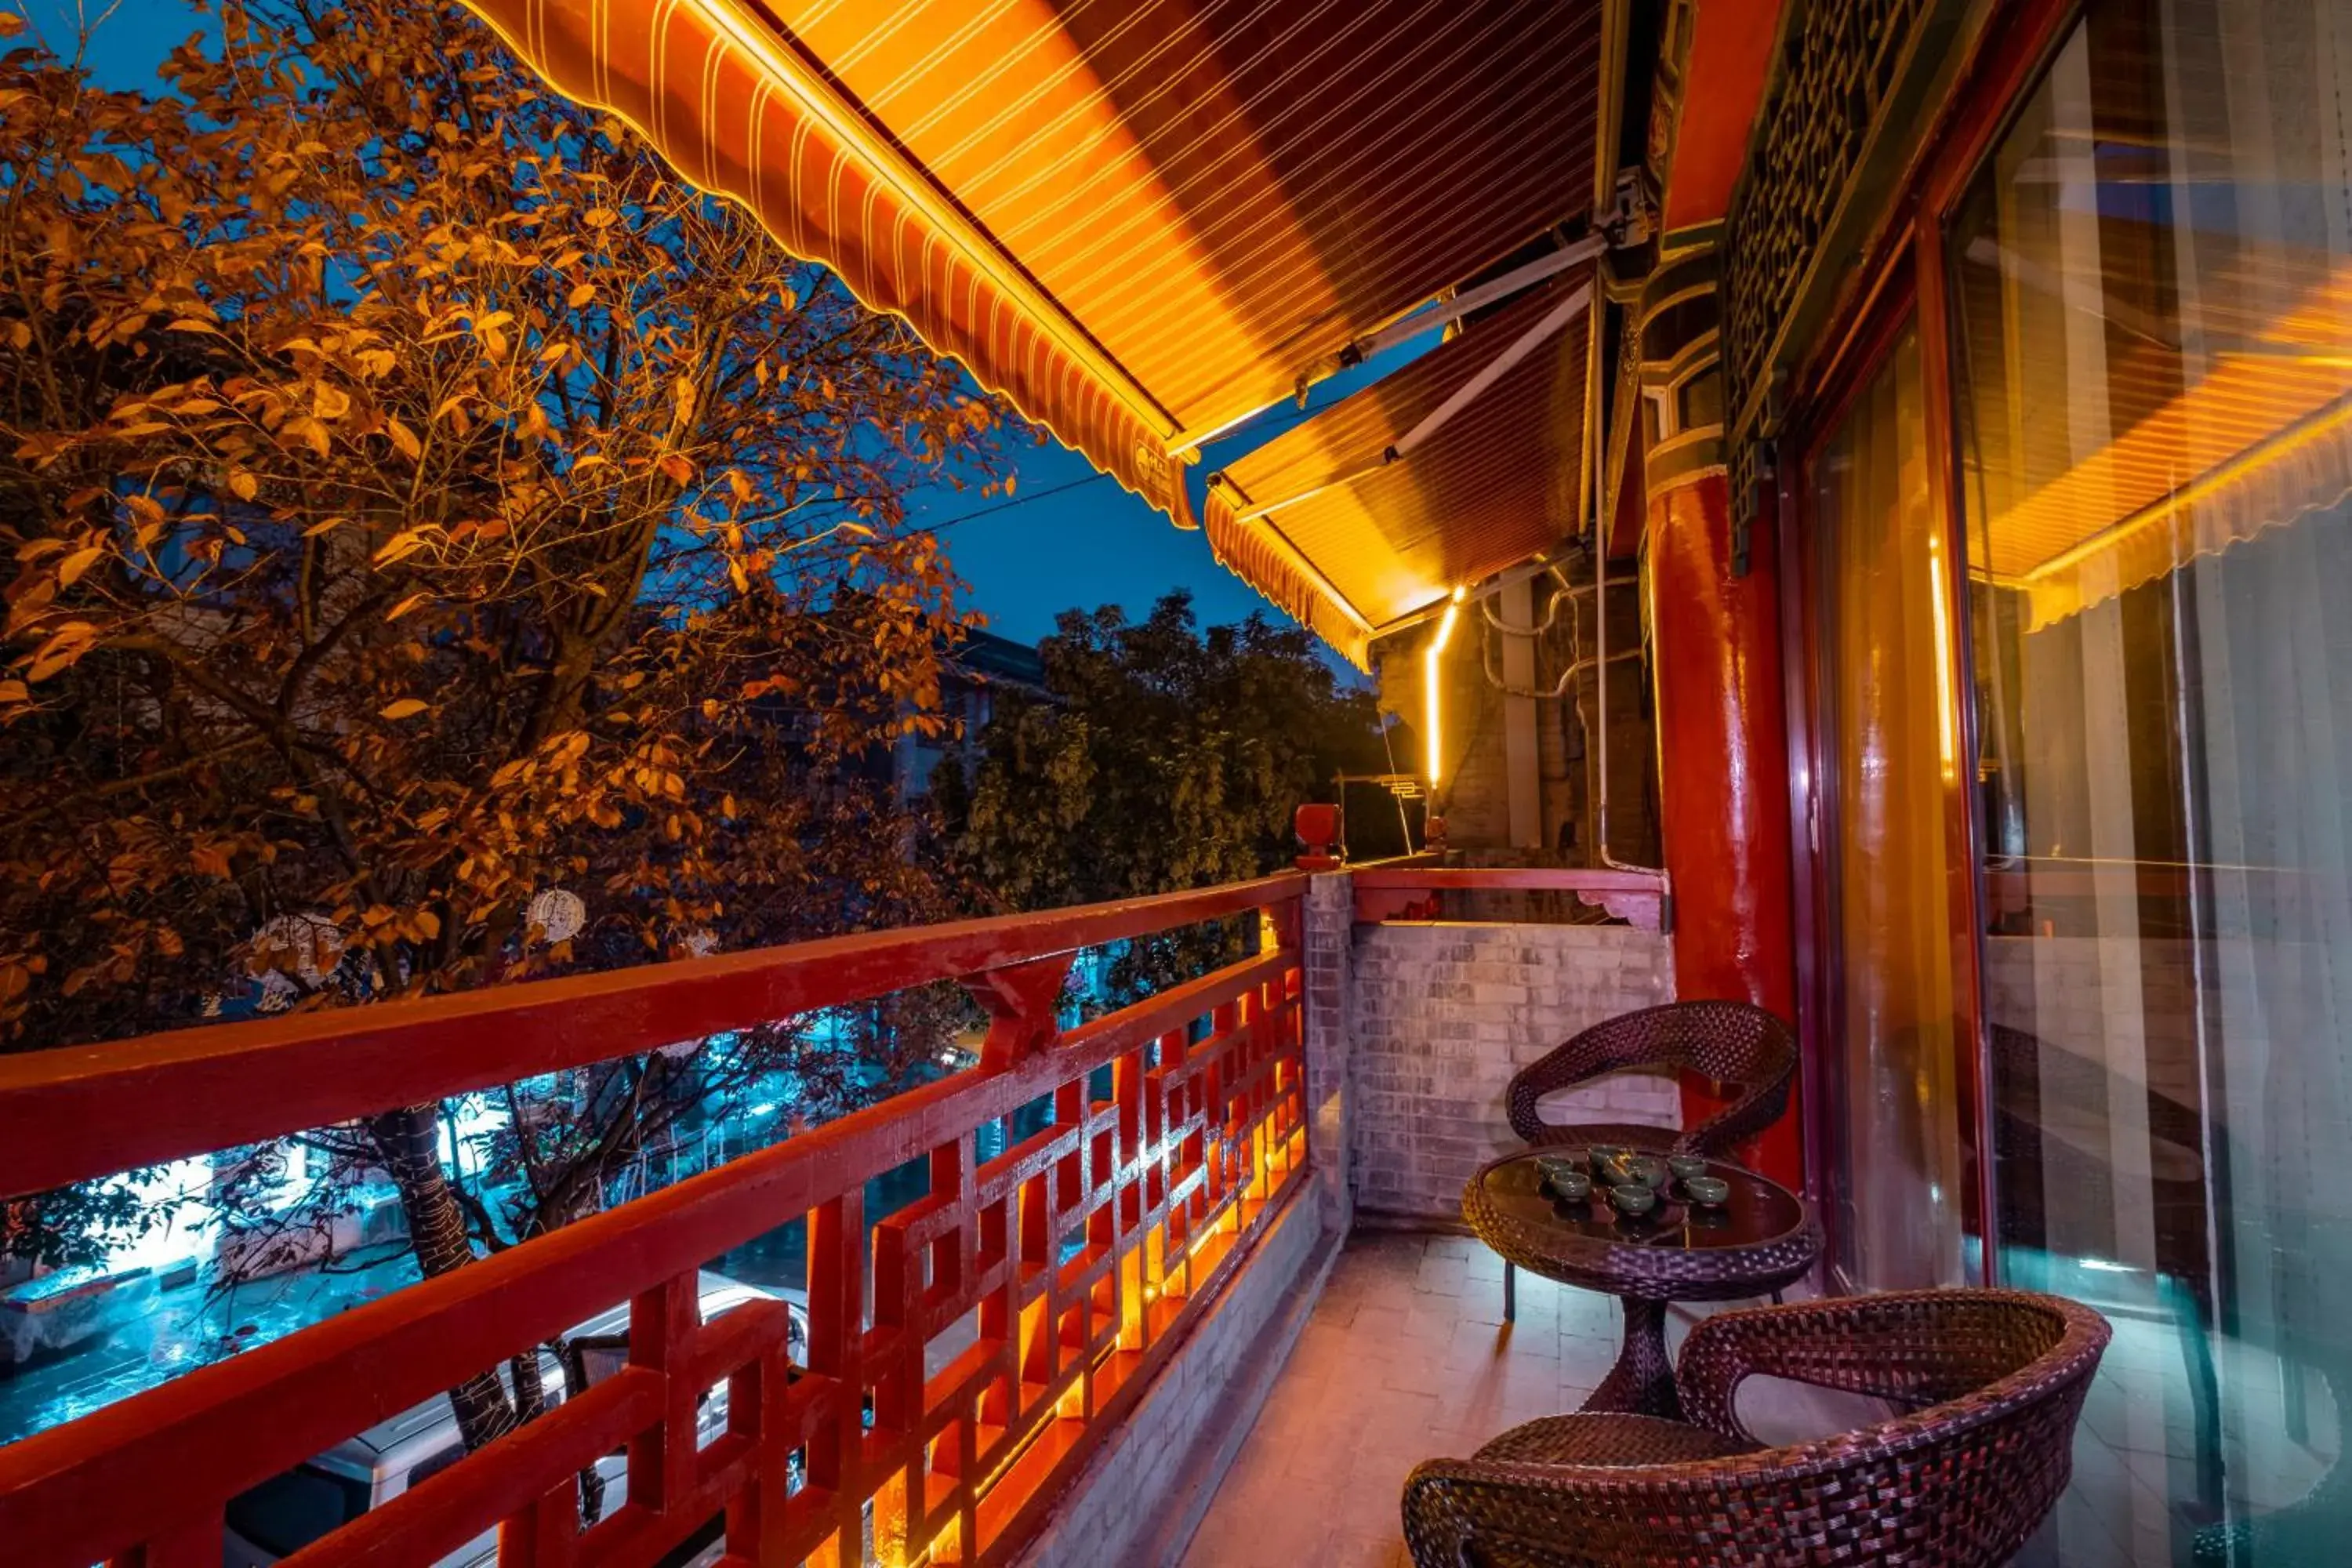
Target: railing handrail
(81,1112)
(112,1479)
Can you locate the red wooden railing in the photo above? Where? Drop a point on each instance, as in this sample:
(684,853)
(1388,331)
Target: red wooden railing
(1169,1182)
(1392,892)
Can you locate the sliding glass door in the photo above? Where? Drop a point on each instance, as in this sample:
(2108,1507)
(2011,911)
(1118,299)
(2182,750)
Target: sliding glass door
(2151,298)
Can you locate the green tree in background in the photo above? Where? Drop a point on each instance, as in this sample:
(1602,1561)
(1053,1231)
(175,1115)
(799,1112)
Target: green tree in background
(1167,757)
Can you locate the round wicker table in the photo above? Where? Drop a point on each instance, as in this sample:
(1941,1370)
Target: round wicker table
(1762,1237)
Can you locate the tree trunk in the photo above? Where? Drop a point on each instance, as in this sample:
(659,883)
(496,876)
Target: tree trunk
(407,1140)
(575,1383)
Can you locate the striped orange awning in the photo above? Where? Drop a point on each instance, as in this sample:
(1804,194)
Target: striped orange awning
(1350,538)
(1140,220)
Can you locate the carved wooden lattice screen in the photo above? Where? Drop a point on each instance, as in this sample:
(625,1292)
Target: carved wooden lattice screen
(1840,62)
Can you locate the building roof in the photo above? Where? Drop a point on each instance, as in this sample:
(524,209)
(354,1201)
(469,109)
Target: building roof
(990,659)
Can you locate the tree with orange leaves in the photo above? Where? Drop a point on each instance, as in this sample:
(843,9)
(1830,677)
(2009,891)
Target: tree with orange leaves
(447,549)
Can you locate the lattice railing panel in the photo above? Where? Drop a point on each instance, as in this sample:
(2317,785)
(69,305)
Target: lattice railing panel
(1060,1272)
(1079,1250)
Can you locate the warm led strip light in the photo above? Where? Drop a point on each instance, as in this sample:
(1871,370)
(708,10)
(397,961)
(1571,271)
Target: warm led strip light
(1429,676)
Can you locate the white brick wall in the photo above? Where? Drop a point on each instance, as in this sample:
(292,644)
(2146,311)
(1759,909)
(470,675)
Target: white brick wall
(1328,939)
(1444,1014)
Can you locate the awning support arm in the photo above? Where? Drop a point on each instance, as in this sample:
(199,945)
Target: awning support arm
(1469,299)
(1553,322)
(1423,319)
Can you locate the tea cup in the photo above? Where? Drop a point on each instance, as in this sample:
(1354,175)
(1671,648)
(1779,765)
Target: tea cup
(1708,1191)
(1632,1199)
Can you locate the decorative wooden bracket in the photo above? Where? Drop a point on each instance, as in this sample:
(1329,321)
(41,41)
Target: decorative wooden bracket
(1635,907)
(1372,906)
(1022,1002)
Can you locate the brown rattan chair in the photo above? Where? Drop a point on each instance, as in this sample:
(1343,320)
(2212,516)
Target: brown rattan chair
(1738,1045)
(1991,1381)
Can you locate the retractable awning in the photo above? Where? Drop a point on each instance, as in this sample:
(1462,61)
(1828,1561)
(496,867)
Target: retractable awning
(1141,220)
(1466,461)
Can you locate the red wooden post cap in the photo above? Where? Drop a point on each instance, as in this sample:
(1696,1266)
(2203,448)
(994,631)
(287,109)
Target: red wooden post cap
(1317,825)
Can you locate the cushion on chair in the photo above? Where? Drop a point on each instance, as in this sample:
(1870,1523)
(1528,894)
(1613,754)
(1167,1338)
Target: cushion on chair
(1609,1440)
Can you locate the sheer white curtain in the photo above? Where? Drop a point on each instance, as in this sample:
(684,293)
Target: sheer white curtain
(1888,704)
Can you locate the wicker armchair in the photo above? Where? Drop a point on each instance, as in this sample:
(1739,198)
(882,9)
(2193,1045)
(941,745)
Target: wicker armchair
(1992,1380)
(1728,1042)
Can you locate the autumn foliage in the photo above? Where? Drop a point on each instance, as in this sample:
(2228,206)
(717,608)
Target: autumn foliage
(446,549)
(420,498)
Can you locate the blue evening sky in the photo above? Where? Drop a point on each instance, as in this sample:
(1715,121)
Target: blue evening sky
(1085,541)
(1070,538)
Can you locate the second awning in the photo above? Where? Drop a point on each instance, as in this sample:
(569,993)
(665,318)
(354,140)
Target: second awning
(1462,464)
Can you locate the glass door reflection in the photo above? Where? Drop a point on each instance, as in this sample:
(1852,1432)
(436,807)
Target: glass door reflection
(2152,350)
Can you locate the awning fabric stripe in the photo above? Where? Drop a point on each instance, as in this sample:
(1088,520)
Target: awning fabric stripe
(1369,542)
(737,110)
(1140,220)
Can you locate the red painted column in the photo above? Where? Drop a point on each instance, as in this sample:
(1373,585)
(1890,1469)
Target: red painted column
(1723,775)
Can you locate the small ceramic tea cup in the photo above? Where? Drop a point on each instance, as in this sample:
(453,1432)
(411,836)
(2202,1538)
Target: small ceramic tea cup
(1556,1170)
(1632,1199)
(1569,1187)
(1708,1191)
(1686,1166)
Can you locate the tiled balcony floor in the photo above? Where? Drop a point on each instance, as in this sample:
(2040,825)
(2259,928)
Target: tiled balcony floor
(1406,1358)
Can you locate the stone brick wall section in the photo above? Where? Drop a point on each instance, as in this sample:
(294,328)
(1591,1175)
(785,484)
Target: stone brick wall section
(1443,1017)
(1328,938)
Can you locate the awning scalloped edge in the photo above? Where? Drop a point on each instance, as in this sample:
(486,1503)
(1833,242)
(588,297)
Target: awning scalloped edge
(1255,553)
(735,125)
(2302,468)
